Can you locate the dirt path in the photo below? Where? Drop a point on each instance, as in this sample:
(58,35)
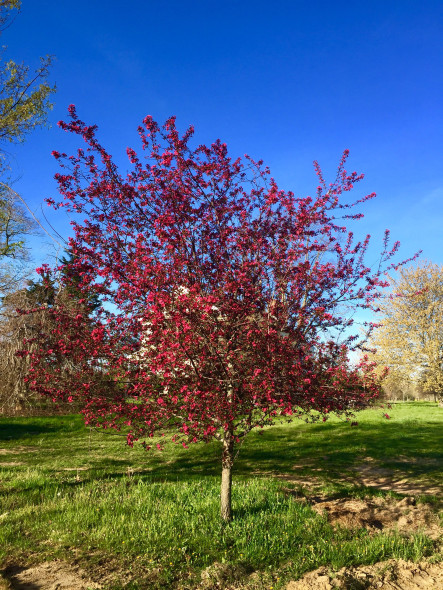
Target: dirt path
(367,474)
(388,575)
(372,476)
(378,514)
(52,575)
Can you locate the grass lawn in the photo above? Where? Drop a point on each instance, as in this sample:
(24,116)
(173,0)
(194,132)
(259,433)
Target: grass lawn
(137,520)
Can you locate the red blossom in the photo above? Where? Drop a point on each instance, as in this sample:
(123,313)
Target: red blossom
(228,295)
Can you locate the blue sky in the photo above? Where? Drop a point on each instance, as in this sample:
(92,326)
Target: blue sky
(287,81)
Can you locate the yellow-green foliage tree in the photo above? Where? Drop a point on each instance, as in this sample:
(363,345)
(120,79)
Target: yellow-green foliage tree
(24,104)
(15,225)
(24,94)
(410,340)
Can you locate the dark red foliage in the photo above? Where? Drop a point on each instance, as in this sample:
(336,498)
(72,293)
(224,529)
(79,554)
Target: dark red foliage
(224,297)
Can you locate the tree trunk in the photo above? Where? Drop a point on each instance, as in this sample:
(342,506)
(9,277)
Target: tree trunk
(226,482)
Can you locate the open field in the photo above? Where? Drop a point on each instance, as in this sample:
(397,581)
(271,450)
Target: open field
(305,496)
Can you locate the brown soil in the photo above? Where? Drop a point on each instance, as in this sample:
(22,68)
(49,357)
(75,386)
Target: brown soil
(388,575)
(367,474)
(53,575)
(310,482)
(377,514)
(382,478)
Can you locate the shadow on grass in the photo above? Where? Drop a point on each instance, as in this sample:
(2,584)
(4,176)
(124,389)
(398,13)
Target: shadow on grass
(413,448)
(11,573)
(15,431)
(327,451)
(25,427)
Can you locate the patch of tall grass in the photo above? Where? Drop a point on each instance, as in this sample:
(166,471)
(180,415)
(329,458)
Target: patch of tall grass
(174,527)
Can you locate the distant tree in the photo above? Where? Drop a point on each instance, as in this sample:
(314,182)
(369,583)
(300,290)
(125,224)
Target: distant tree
(410,340)
(24,313)
(71,280)
(24,104)
(6,12)
(15,226)
(24,99)
(223,297)
(20,320)
(24,95)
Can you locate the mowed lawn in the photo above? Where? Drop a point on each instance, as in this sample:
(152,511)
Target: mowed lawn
(137,519)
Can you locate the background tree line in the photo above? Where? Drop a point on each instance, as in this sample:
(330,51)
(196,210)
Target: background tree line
(410,339)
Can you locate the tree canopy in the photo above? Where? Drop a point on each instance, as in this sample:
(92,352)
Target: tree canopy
(410,339)
(15,225)
(24,105)
(226,301)
(24,94)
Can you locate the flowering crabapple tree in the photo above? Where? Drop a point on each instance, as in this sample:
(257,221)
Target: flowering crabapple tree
(225,301)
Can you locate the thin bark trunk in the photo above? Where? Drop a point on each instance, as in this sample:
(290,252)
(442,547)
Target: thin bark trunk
(226,482)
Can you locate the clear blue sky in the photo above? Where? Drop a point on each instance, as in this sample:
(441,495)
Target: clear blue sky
(285,81)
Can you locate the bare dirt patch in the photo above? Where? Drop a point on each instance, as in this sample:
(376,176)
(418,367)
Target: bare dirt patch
(368,474)
(306,481)
(53,575)
(388,575)
(377,514)
(381,478)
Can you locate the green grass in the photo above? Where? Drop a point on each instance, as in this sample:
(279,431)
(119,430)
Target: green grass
(152,518)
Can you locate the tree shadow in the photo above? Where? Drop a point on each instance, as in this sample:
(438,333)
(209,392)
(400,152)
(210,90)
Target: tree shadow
(15,431)
(325,451)
(329,452)
(332,449)
(11,573)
